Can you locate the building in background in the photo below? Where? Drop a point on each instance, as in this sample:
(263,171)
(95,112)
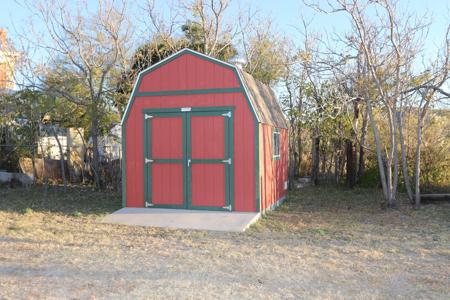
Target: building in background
(109,145)
(70,139)
(8,60)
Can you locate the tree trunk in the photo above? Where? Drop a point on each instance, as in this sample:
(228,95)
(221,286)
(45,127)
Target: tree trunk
(33,162)
(390,157)
(330,165)
(299,136)
(323,155)
(315,158)
(95,154)
(378,151)
(395,161)
(350,145)
(300,151)
(292,158)
(292,164)
(404,159)
(83,167)
(337,161)
(362,156)
(44,171)
(69,163)
(61,160)
(417,161)
(350,149)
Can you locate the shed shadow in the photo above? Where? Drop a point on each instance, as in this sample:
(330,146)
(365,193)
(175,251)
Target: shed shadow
(77,199)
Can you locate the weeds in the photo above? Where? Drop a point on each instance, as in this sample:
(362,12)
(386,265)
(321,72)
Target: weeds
(322,243)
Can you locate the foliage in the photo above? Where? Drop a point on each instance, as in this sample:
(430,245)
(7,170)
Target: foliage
(435,168)
(193,39)
(68,113)
(370,178)
(19,125)
(264,61)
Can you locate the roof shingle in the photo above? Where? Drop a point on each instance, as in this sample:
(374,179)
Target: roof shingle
(264,101)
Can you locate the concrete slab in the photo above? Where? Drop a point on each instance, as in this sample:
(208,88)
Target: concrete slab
(183,219)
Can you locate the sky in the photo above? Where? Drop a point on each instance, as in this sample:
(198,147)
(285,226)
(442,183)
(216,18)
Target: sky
(284,13)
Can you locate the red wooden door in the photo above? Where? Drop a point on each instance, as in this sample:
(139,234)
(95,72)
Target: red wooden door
(209,160)
(165,152)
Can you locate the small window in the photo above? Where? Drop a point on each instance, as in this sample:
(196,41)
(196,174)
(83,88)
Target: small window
(276,144)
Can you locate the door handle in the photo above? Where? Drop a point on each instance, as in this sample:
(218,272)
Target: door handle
(189,162)
(227,161)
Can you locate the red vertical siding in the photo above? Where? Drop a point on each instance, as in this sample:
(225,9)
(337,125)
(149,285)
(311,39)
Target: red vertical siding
(188,72)
(273,172)
(208,190)
(167,183)
(167,137)
(212,130)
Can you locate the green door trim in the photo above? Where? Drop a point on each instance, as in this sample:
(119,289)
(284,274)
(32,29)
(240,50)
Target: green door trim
(148,155)
(228,113)
(228,154)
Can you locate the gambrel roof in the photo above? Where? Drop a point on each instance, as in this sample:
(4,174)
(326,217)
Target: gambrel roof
(264,101)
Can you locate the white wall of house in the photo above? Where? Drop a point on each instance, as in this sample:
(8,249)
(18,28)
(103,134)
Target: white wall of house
(72,138)
(109,146)
(49,146)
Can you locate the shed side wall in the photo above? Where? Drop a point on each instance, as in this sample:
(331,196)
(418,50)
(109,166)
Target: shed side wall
(273,172)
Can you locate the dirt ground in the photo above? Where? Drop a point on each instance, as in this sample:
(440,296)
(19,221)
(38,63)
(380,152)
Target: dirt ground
(323,243)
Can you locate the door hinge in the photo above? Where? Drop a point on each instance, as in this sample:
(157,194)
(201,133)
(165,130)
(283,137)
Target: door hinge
(148,160)
(228,114)
(147,116)
(148,204)
(228,207)
(228,161)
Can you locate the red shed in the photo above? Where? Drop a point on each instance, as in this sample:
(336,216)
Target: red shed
(199,133)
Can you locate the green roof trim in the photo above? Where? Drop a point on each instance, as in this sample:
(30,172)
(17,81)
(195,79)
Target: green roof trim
(189,92)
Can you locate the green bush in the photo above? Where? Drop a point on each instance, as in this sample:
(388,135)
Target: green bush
(27,211)
(77,214)
(371,178)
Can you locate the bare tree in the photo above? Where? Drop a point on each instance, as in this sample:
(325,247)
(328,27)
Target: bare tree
(81,51)
(206,19)
(292,102)
(430,92)
(389,44)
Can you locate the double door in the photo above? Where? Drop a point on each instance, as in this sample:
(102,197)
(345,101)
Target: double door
(188,158)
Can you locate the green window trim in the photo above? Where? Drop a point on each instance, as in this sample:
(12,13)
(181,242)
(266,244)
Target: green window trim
(276,144)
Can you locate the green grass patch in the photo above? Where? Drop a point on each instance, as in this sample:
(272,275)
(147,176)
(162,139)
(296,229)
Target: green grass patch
(27,211)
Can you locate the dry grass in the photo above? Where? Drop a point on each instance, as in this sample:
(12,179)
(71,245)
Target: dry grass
(323,243)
